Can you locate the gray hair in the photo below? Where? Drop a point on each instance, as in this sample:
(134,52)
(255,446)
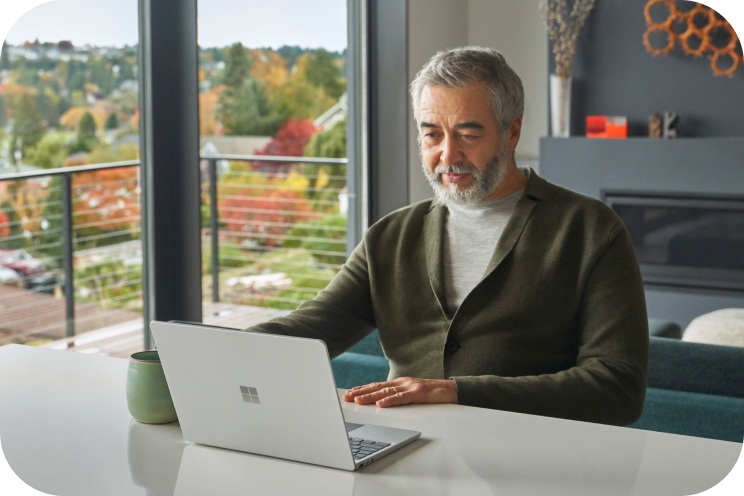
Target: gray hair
(465,66)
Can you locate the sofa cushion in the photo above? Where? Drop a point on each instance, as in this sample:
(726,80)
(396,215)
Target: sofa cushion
(355,369)
(693,414)
(369,345)
(696,367)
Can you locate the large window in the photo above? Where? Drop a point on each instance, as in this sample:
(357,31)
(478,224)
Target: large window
(70,242)
(273,117)
(272,120)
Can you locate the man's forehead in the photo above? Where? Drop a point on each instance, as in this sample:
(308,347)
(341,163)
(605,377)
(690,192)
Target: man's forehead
(477,125)
(464,107)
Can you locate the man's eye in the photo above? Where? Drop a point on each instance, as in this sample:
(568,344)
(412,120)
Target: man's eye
(468,137)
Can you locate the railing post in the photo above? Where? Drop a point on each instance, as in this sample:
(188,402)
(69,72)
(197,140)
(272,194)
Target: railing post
(67,254)
(214,229)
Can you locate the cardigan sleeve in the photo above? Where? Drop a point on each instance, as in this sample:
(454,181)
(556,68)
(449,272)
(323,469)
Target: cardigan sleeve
(608,382)
(341,314)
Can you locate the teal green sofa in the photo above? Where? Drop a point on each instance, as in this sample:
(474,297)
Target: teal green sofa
(363,363)
(694,389)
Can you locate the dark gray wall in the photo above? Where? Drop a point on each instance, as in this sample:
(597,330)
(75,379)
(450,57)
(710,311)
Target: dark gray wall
(615,75)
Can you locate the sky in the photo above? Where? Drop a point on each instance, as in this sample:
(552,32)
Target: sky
(307,23)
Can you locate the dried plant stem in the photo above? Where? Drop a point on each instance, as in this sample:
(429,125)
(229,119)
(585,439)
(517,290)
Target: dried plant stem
(564,24)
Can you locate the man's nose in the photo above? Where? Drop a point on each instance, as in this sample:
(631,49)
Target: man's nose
(451,153)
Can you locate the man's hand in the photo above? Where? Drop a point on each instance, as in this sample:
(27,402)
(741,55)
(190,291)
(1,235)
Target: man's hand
(404,391)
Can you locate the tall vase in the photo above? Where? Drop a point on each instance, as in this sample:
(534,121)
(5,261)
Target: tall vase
(560,106)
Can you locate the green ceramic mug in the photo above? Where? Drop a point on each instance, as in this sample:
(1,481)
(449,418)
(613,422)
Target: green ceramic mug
(148,397)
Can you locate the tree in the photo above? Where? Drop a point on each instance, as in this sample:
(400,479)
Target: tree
(48,104)
(27,199)
(4,58)
(71,118)
(289,141)
(28,125)
(50,152)
(237,66)
(4,225)
(87,135)
(329,180)
(244,108)
(247,111)
(112,121)
(106,202)
(290,53)
(208,108)
(101,74)
(11,234)
(3,113)
(271,69)
(302,100)
(322,71)
(330,143)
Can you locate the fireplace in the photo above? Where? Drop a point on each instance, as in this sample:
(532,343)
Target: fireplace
(685,241)
(669,177)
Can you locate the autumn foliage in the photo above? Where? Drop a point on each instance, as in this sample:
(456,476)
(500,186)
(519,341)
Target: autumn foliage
(4,225)
(107,199)
(264,214)
(289,141)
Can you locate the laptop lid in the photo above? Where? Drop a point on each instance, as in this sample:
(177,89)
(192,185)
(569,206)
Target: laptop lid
(260,393)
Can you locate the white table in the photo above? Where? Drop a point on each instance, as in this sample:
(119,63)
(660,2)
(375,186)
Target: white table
(65,430)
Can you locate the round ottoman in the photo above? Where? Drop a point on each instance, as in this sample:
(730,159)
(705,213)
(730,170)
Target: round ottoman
(725,326)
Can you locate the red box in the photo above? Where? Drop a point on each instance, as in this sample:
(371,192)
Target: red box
(603,126)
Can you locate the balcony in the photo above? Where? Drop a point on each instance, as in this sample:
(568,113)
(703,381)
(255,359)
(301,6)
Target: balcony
(280,227)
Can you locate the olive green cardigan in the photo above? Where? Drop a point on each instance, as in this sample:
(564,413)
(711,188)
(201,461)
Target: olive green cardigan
(556,327)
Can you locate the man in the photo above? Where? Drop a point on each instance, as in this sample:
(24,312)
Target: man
(503,292)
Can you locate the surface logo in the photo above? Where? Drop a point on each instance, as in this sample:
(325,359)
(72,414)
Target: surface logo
(250,395)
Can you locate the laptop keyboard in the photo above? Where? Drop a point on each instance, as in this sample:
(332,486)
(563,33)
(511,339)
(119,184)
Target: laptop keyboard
(361,448)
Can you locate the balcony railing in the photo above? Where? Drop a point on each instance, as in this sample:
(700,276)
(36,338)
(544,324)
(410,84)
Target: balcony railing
(280,225)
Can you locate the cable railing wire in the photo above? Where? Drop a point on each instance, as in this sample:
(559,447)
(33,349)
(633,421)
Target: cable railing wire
(120,287)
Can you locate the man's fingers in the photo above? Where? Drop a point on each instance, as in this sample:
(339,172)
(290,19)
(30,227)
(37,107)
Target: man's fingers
(365,398)
(404,391)
(371,393)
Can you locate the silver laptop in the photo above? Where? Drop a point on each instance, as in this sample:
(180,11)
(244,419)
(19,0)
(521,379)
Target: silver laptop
(265,394)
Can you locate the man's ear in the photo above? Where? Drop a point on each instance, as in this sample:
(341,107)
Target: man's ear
(515,131)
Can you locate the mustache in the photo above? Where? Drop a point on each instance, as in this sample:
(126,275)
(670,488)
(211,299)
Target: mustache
(456,169)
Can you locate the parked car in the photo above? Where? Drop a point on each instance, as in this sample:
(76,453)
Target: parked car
(8,276)
(22,262)
(42,283)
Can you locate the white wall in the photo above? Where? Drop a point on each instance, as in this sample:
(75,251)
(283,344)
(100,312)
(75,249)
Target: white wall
(513,27)
(433,25)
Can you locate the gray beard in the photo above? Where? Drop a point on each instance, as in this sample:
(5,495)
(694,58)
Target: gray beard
(483,185)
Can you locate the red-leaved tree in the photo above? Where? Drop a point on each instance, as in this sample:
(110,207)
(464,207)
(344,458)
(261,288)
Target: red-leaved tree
(289,141)
(4,225)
